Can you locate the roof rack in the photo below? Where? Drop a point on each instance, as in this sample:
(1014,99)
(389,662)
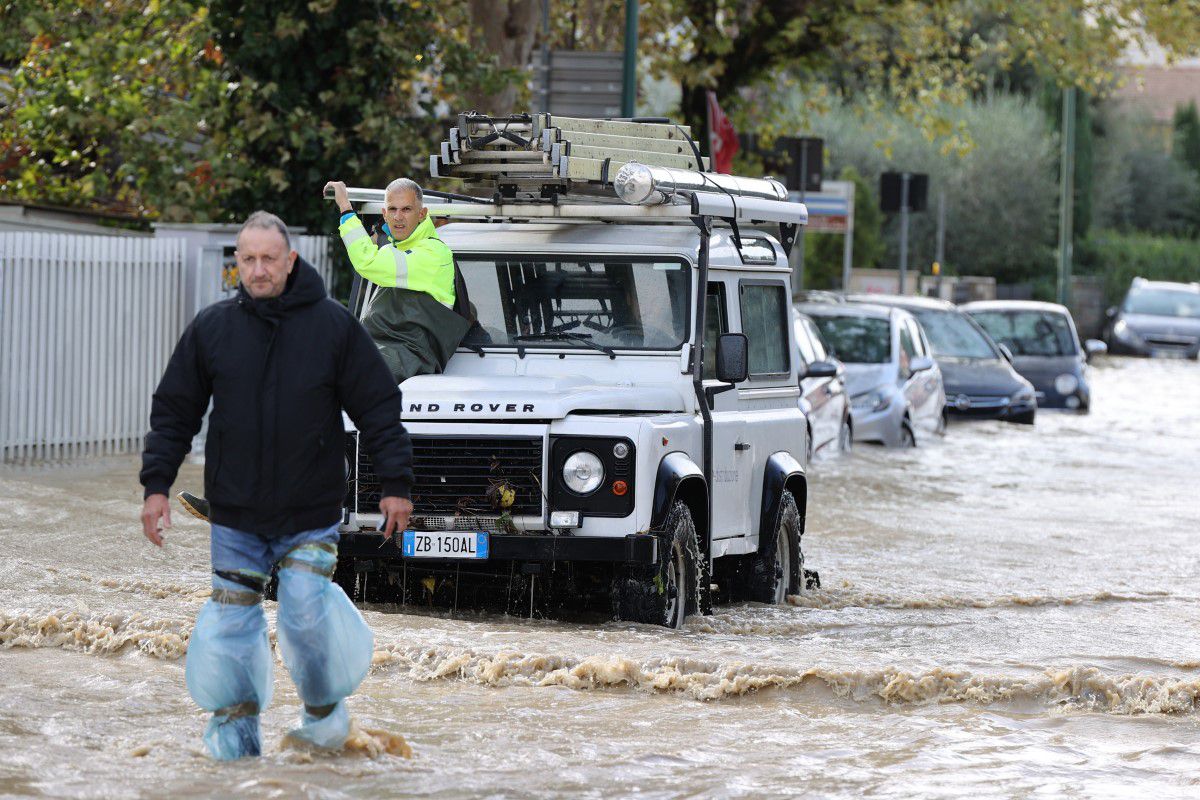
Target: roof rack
(544,166)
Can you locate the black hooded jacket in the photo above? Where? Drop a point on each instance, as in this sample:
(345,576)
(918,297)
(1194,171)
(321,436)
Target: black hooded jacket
(279,373)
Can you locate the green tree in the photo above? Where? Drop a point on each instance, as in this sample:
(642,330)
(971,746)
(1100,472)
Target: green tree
(106,104)
(917,54)
(1187,135)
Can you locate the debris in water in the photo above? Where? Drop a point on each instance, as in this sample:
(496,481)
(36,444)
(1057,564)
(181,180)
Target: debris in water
(140,750)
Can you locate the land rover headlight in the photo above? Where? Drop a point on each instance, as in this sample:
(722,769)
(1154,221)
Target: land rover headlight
(583,472)
(1066,383)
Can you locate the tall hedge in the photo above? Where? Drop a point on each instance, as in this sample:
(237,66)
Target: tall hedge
(1120,257)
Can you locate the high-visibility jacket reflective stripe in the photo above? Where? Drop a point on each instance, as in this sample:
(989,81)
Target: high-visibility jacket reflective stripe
(422,262)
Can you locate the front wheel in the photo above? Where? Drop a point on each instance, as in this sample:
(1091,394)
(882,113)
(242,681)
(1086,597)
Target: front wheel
(846,436)
(775,571)
(665,593)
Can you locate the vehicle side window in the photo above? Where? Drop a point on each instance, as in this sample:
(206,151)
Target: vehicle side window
(917,339)
(818,341)
(908,350)
(716,322)
(804,342)
(764,321)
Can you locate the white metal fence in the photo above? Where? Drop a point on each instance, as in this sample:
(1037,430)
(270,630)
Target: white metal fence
(87,324)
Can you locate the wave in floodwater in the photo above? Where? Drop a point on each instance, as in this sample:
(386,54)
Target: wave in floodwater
(834,599)
(1085,687)
(1072,686)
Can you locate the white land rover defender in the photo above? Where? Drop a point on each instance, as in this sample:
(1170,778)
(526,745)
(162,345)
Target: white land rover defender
(624,422)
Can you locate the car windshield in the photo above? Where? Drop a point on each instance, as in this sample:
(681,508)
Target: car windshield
(857,340)
(1030,333)
(596,303)
(1163,303)
(952,335)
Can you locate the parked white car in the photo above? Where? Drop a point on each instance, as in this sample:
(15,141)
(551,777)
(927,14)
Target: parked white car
(895,386)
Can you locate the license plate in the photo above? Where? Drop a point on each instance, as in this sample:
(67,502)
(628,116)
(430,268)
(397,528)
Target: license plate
(1165,353)
(445,544)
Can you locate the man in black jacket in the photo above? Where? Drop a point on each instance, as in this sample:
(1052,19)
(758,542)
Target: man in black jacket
(280,361)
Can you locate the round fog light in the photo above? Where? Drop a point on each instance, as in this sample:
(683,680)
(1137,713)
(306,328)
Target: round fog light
(583,472)
(1072,402)
(620,449)
(1066,383)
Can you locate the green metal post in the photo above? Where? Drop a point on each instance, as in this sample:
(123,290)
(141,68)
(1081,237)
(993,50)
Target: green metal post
(629,89)
(1066,223)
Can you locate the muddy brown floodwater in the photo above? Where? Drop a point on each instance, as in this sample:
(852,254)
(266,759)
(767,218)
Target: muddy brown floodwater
(1007,612)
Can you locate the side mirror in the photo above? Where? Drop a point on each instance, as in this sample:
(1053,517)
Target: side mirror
(821,369)
(1093,348)
(1004,351)
(920,364)
(733,357)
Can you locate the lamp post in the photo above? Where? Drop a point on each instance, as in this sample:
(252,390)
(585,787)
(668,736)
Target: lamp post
(629,88)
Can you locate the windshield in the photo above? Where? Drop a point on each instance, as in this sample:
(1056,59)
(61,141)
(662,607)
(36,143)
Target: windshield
(545,301)
(857,340)
(1163,303)
(1030,333)
(951,334)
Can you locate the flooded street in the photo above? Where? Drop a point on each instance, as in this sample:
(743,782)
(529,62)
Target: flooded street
(1006,612)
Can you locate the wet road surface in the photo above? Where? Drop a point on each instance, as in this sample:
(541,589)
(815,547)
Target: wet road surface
(1006,612)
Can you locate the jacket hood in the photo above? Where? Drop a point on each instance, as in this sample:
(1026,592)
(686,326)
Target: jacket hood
(434,397)
(303,288)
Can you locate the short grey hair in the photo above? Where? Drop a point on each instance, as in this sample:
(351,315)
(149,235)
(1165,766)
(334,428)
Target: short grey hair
(406,185)
(266,221)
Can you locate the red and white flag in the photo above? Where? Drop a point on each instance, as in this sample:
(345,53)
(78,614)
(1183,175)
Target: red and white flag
(722,138)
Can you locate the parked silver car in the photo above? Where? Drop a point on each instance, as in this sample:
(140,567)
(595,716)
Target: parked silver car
(822,389)
(895,385)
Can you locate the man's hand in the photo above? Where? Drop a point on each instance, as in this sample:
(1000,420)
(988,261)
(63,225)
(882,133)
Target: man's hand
(396,511)
(339,195)
(157,507)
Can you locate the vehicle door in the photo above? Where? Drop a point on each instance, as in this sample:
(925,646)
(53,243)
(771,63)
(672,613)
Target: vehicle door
(924,383)
(732,461)
(816,399)
(836,400)
(911,382)
(935,392)
(769,400)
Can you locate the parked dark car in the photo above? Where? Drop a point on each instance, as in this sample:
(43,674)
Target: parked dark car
(1045,348)
(979,376)
(1156,318)
(822,388)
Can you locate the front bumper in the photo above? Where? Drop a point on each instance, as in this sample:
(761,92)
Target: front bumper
(636,548)
(878,426)
(1001,408)
(1151,347)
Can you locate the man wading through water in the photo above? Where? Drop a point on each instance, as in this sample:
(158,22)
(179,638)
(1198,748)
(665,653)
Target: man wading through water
(420,313)
(280,361)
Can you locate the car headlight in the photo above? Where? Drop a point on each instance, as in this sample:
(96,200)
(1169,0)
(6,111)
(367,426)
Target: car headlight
(583,472)
(1122,330)
(1066,383)
(1022,397)
(873,401)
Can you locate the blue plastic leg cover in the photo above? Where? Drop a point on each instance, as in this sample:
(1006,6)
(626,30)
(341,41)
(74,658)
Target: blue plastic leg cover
(325,642)
(229,669)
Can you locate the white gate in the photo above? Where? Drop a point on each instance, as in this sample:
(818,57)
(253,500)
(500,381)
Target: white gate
(87,324)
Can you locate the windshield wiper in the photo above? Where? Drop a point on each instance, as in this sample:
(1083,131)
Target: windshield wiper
(568,336)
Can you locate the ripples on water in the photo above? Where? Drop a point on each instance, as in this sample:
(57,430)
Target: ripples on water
(1006,611)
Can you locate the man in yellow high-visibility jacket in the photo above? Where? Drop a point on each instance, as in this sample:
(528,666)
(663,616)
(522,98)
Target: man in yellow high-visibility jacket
(412,318)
